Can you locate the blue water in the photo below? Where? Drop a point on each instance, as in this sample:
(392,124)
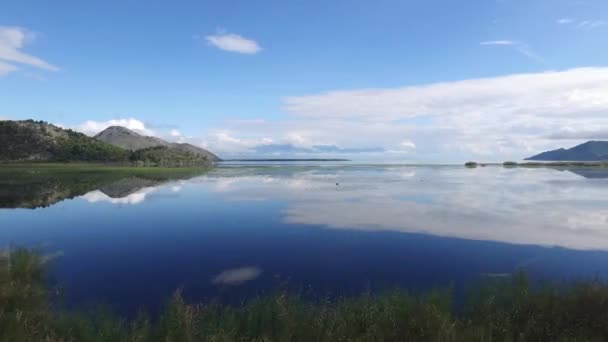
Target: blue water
(242,230)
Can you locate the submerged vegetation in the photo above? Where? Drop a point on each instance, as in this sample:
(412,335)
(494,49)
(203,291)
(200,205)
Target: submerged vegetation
(504,310)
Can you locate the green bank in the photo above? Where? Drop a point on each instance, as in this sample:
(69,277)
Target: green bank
(505,309)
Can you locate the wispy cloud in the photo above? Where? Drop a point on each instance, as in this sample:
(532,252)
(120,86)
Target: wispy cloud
(12,41)
(591,24)
(520,47)
(233,43)
(499,42)
(6,68)
(587,24)
(565,21)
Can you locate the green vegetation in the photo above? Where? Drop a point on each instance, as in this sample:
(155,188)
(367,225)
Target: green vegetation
(39,141)
(502,310)
(35,185)
(470,164)
(509,164)
(163,155)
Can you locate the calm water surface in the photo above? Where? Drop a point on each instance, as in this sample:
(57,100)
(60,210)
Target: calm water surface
(241,230)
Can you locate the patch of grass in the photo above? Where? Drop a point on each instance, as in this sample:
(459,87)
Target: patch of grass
(504,310)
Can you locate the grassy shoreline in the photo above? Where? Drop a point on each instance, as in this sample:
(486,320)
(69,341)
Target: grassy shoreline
(504,310)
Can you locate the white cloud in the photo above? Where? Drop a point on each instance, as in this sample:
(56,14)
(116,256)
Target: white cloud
(547,94)
(407,144)
(520,47)
(494,119)
(224,141)
(587,24)
(565,21)
(233,43)
(12,41)
(591,24)
(175,133)
(499,42)
(91,127)
(489,119)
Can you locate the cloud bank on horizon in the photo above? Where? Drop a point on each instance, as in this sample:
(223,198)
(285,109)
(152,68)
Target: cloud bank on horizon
(510,116)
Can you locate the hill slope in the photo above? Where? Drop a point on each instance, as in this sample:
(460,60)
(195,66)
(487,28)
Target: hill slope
(589,151)
(127,139)
(40,141)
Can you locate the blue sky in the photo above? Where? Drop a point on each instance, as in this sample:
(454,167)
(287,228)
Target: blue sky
(383,80)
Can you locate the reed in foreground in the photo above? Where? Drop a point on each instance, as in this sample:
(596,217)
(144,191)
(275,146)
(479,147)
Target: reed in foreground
(505,310)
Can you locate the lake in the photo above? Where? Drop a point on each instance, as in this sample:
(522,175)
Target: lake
(331,229)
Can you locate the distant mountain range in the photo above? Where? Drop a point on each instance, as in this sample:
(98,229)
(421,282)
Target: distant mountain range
(30,140)
(589,151)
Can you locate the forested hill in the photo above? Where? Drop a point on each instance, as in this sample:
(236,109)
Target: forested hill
(40,141)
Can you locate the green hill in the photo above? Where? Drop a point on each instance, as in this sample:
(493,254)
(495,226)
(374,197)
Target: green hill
(42,142)
(130,140)
(39,141)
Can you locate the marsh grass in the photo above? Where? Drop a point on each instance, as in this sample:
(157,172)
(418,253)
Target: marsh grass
(501,310)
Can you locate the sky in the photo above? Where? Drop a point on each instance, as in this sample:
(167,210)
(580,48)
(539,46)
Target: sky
(397,81)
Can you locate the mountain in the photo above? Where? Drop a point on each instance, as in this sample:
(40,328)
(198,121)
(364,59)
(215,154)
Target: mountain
(40,141)
(589,151)
(129,140)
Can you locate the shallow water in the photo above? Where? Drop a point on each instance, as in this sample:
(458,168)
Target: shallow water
(240,230)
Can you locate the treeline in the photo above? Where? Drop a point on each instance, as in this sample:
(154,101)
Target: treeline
(504,310)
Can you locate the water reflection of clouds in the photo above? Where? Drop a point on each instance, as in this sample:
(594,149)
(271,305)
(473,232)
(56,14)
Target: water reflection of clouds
(237,276)
(137,196)
(134,198)
(520,206)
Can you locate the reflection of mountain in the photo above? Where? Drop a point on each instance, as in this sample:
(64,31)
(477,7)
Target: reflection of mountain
(127,186)
(591,172)
(42,187)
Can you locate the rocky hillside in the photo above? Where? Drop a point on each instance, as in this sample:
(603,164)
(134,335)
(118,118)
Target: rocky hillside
(130,140)
(589,151)
(40,141)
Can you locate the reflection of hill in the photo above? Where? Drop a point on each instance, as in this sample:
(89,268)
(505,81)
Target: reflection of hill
(128,186)
(591,172)
(40,186)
